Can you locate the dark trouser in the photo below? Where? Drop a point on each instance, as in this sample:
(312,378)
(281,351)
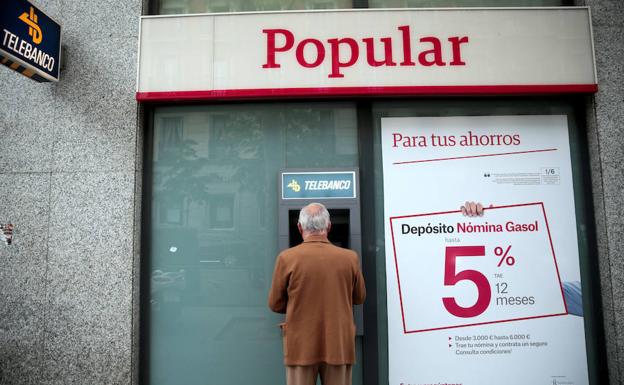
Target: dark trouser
(330,374)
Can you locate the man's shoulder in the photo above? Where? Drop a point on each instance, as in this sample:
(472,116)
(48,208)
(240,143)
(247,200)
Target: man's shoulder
(340,252)
(291,251)
(325,246)
(343,250)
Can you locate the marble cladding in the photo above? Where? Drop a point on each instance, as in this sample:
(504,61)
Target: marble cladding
(88,330)
(98,131)
(606,12)
(606,121)
(103,19)
(21,341)
(26,124)
(136,288)
(25,202)
(69,159)
(52,8)
(604,265)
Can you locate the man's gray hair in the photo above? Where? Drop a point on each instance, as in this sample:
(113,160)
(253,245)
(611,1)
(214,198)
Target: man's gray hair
(314,218)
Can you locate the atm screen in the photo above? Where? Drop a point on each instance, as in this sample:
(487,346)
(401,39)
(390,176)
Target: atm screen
(338,235)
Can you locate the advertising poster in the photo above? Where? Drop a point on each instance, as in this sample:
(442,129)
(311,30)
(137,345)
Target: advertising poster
(482,300)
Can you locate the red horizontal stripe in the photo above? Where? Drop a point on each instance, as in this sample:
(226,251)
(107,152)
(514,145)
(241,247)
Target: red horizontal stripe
(475,156)
(486,323)
(269,93)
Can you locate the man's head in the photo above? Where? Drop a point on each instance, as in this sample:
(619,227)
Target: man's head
(313,220)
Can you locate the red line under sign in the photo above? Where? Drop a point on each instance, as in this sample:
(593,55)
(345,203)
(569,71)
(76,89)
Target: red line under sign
(474,156)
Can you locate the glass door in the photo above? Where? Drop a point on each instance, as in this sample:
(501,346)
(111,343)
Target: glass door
(213,234)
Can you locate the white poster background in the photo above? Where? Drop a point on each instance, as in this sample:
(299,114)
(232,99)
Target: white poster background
(420,180)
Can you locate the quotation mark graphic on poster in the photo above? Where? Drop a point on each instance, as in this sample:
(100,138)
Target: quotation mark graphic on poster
(470,271)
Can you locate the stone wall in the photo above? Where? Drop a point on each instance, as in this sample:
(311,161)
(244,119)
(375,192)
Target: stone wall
(605,126)
(69,174)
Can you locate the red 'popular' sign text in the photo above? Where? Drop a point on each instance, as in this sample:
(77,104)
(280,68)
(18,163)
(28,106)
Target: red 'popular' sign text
(345,52)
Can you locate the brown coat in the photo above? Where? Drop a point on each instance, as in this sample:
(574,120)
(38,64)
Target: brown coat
(316,284)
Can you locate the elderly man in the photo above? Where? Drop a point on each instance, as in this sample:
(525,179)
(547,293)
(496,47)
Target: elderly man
(316,284)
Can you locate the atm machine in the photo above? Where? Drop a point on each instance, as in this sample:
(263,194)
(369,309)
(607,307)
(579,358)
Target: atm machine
(338,190)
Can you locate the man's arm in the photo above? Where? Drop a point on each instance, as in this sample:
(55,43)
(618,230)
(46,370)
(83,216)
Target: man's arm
(359,288)
(278,295)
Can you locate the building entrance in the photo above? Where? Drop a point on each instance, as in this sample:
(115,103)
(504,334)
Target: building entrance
(214,234)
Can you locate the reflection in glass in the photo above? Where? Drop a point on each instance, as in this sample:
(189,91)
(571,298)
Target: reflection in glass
(465,3)
(214,232)
(169,7)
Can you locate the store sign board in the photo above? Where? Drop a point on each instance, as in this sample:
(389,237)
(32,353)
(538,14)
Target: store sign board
(30,41)
(318,185)
(366,52)
(495,296)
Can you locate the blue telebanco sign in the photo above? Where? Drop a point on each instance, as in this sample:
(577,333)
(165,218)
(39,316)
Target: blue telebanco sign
(318,185)
(30,41)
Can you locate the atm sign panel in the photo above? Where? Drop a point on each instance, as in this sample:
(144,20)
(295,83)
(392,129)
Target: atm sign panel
(30,41)
(318,185)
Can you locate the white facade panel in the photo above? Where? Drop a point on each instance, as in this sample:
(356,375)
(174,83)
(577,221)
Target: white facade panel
(255,54)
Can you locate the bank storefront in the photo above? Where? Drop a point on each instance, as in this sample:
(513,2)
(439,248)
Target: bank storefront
(393,118)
